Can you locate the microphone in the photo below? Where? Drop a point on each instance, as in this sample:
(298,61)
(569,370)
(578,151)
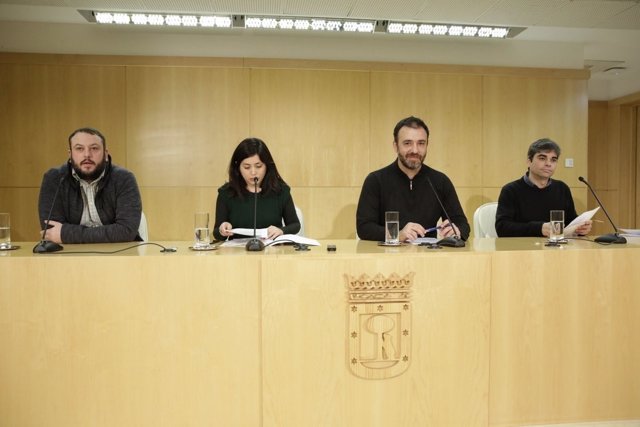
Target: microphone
(255,244)
(606,238)
(44,245)
(451,241)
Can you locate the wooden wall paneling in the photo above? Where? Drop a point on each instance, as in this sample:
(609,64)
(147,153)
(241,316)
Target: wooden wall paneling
(145,342)
(305,318)
(22,204)
(175,123)
(409,67)
(135,60)
(581,199)
(170,210)
(551,335)
(42,104)
(611,201)
(469,199)
(451,105)
(599,149)
(612,158)
(184,123)
(316,124)
(627,168)
(598,142)
(490,194)
(637,182)
(329,212)
(517,111)
(522,335)
(612,161)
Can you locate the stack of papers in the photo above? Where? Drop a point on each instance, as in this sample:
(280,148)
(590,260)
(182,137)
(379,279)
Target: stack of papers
(261,233)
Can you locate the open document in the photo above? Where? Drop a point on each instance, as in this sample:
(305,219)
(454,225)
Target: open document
(261,233)
(580,219)
(424,240)
(630,232)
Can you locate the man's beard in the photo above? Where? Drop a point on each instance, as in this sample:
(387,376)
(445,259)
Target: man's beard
(91,176)
(414,163)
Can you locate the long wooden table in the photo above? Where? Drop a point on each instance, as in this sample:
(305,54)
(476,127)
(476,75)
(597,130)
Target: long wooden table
(502,332)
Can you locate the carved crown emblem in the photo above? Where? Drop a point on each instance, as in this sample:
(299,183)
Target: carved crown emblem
(379,329)
(393,288)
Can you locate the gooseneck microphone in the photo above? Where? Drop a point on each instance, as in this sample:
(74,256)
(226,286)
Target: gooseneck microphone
(44,245)
(606,238)
(451,241)
(255,244)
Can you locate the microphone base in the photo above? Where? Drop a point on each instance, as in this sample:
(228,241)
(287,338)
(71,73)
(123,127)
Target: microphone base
(255,245)
(611,238)
(451,242)
(46,246)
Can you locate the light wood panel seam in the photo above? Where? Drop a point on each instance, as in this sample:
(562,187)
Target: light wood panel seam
(226,62)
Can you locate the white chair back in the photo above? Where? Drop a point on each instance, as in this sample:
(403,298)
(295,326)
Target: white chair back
(484,220)
(143,231)
(301,219)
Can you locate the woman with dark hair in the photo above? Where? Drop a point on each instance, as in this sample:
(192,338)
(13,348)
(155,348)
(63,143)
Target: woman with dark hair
(234,207)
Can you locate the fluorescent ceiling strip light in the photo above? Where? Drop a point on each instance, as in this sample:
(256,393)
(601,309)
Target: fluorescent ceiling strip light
(309,24)
(157,19)
(456,30)
(254,22)
(301,24)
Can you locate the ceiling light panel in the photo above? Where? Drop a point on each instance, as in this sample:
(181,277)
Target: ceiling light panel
(288,23)
(310,24)
(157,19)
(454,30)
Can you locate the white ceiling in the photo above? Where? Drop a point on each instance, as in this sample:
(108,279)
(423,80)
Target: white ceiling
(560,33)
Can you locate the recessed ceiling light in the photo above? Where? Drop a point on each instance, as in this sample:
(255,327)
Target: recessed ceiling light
(300,24)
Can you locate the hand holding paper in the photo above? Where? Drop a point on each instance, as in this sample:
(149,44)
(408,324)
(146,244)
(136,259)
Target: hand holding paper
(580,219)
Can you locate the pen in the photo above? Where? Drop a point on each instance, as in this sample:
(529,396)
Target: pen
(429,230)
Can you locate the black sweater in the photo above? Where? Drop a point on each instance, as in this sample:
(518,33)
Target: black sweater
(523,208)
(390,189)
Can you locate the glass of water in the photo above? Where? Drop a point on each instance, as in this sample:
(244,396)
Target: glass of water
(5,231)
(556,219)
(201,230)
(392,227)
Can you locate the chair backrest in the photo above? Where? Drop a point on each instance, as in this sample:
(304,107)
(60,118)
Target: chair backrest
(484,220)
(299,213)
(143,231)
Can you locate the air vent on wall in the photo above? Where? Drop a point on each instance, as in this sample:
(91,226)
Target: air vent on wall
(600,66)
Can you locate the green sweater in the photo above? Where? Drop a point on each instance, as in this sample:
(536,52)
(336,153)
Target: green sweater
(273,208)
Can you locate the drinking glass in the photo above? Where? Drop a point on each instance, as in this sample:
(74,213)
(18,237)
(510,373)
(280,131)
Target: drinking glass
(556,218)
(5,231)
(392,227)
(201,230)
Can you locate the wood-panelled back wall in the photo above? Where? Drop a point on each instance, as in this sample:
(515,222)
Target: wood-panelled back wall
(175,122)
(614,160)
